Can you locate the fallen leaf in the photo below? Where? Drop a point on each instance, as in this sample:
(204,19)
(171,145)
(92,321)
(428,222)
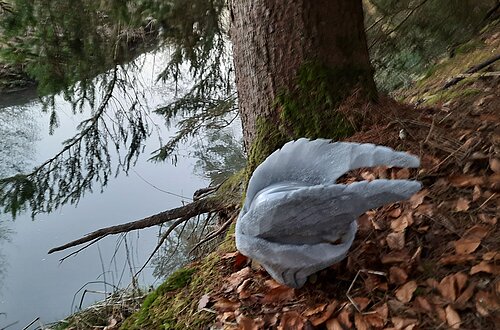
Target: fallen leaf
(320,319)
(226,305)
(242,291)
(440,312)
(236,279)
(364,223)
(239,261)
(456,259)
(495,165)
(228,316)
(361,302)
(270,320)
(465,180)
(476,232)
(373,282)
(379,318)
(395,257)
(487,303)
(230,255)
(401,223)
(465,296)
(279,294)
(432,283)
(360,323)
(447,288)
(247,323)
(485,267)
(382,311)
(452,317)
(314,310)
(488,220)
(466,246)
(368,175)
(272,284)
(491,255)
(395,213)
(397,275)
(405,293)
(423,304)
(396,241)
(462,205)
(418,198)
(403,173)
(403,323)
(291,321)
(333,324)
(204,300)
(425,209)
(476,194)
(461,280)
(345,318)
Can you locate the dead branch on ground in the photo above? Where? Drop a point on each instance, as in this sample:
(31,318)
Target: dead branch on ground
(471,70)
(184,212)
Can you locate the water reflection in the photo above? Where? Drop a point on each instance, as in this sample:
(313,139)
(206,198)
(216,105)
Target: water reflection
(220,153)
(18,132)
(37,281)
(4,237)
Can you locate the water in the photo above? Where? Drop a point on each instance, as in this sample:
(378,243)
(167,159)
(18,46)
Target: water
(35,284)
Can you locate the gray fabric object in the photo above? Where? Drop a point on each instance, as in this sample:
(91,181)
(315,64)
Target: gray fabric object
(296,220)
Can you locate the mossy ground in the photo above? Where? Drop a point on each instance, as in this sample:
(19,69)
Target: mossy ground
(174,304)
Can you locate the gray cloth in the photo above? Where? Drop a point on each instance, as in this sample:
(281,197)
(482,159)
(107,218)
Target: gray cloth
(296,220)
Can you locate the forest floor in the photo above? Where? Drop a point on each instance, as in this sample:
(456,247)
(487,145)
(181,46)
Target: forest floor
(432,262)
(428,263)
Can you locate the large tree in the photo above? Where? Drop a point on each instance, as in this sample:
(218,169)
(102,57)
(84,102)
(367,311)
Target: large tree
(295,62)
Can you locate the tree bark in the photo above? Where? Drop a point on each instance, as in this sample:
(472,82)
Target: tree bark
(273,40)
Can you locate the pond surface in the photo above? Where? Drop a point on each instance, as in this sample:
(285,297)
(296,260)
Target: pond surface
(34,284)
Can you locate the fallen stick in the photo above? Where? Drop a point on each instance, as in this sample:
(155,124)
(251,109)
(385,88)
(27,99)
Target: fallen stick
(472,69)
(190,210)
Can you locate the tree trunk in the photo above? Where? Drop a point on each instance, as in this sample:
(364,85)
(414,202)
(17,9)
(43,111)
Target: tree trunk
(295,61)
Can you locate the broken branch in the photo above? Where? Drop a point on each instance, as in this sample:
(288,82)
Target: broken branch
(187,211)
(471,70)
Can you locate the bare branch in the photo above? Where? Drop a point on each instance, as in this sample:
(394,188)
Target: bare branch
(186,211)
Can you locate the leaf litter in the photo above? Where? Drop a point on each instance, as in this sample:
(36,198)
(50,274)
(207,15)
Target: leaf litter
(430,262)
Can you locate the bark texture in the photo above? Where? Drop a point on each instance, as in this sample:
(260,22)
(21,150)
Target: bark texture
(273,39)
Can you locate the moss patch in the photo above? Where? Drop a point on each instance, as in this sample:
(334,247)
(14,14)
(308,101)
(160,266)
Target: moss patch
(174,305)
(309,109)
(151,314)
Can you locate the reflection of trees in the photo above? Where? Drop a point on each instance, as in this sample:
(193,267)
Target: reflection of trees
(4,236)
(219,155)
(18,132)
(180,247)
(117,121)
(65,53)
